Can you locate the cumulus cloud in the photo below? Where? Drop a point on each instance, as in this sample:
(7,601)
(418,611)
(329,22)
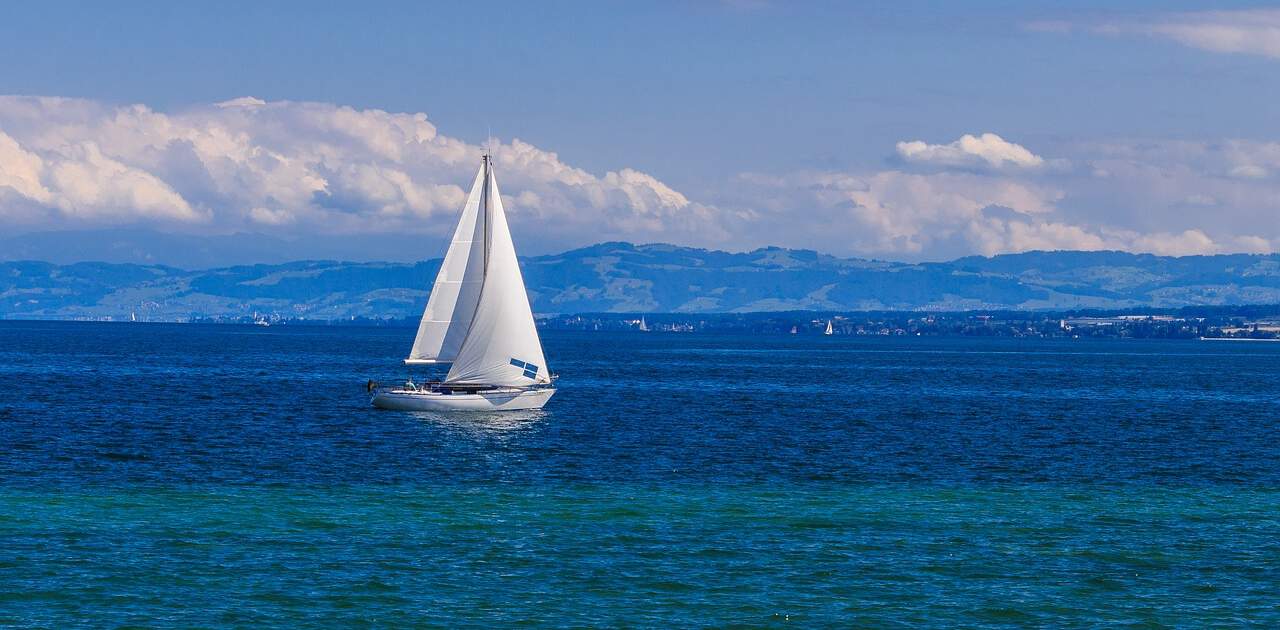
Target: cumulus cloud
(80,181)
(268,216)
(1247,31)
(88,183)
(988,149)
(1225,189)
(924,215)
(247,164)
(1164,197)
(909,212)
(21,171)
(297,169)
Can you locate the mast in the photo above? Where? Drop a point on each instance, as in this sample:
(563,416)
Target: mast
(488,167)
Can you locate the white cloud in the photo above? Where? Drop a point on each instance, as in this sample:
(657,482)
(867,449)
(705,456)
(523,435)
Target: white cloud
(1248,171)
(312,168)
(1252,245)
(79,181)
(1018,236)
(1166,197)
(267,216)
(89,184)
(243,101)
(21,170)
(988,149)
(936,215)
(1248,31)
(909,211)
(1180,244)
(1255,32)
(251,164)
(1223,189)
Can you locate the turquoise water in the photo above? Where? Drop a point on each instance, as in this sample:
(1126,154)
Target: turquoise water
(608,556)
(151,476)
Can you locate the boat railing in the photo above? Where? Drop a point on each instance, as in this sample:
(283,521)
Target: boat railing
(441,387)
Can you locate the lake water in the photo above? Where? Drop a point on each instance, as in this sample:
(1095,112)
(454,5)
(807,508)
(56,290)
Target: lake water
(183,475)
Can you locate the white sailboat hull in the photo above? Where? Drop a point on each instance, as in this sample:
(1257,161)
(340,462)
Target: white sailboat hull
(492,400)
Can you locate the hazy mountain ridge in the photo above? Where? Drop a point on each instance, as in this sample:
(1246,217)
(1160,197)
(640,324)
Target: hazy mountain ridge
(144,246)
(622,277)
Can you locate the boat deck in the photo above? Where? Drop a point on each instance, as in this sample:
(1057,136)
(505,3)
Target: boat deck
(442,388)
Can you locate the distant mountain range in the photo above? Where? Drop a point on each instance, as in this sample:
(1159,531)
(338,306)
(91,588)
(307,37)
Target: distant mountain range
(622,277)
(188,251)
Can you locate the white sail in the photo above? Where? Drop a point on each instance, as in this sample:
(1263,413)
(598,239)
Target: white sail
(502,345)
(456,292)
(829,330)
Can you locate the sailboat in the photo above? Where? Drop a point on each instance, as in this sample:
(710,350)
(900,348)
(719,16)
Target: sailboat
(643,326)
(477,321)
(829,330)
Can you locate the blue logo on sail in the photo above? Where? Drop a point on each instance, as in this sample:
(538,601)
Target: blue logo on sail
(530,370)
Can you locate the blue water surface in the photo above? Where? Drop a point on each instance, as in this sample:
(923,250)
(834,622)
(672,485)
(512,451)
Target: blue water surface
(185,475)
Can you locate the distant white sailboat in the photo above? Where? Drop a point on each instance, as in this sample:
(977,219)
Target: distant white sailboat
(829,330)
(794,330)
(643,326)
(477,321)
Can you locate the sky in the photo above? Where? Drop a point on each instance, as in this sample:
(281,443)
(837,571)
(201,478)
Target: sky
(895,130)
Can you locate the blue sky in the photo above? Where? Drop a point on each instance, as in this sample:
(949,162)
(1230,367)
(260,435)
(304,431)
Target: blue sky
(723,124)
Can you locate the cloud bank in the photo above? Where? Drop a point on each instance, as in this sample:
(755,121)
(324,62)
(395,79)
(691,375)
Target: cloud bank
(993,196)
(250,165)
(297,169)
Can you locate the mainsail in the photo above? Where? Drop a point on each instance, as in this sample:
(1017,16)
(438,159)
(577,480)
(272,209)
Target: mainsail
(488,331)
